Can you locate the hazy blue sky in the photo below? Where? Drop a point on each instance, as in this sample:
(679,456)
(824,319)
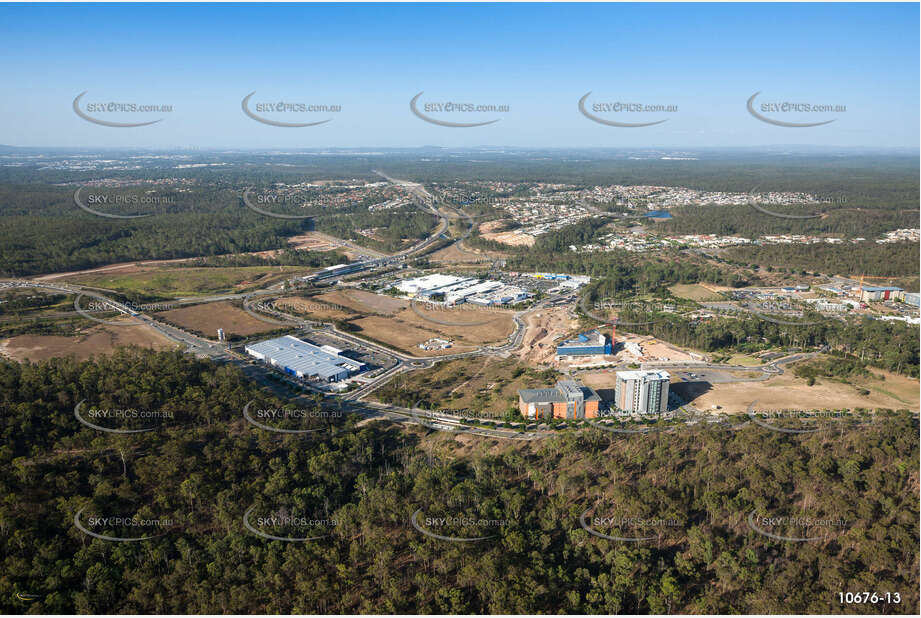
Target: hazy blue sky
(538,59)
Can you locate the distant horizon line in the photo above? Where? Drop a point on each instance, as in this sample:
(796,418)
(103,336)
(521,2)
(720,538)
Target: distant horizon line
(914,149)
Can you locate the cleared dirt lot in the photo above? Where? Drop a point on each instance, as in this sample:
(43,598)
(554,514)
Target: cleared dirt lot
(542,329)
(403,336)
(208,317)
(100,339)
(452,254)
(361,301)
(789,392)
(410,326)
(467,322)
(313,308)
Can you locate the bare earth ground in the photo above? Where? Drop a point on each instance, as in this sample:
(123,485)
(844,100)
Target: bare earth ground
(542,329)
(207,318)
(99,339)
(318,241)
(789,392)
(695,292)
(405,329)
(361,301)
(403,336)
(512,237)
(499,324)
(452,254)
(313,308)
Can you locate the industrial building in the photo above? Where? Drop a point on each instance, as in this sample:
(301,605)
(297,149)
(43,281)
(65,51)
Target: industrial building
(912,298)
(569,400)
(586,344)
(305,360)
(869,293)
(433,284)
(456,290)
(337,271)
(641,392)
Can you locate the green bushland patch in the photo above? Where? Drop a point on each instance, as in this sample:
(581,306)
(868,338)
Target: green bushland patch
(208,468)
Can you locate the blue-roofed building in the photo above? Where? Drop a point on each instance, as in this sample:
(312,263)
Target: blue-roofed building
(305,360)
(585,344)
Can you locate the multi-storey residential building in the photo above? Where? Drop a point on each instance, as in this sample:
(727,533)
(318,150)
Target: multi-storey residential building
(641,392)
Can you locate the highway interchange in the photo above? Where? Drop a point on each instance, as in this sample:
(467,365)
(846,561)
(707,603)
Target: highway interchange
(355,401)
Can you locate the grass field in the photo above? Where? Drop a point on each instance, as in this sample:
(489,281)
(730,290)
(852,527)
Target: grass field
(694,292)
(745,360)
(173,282)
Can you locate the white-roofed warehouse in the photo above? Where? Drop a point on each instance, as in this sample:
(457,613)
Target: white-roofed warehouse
(305,360)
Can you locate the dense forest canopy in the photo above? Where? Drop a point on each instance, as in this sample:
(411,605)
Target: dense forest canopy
(205,467)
